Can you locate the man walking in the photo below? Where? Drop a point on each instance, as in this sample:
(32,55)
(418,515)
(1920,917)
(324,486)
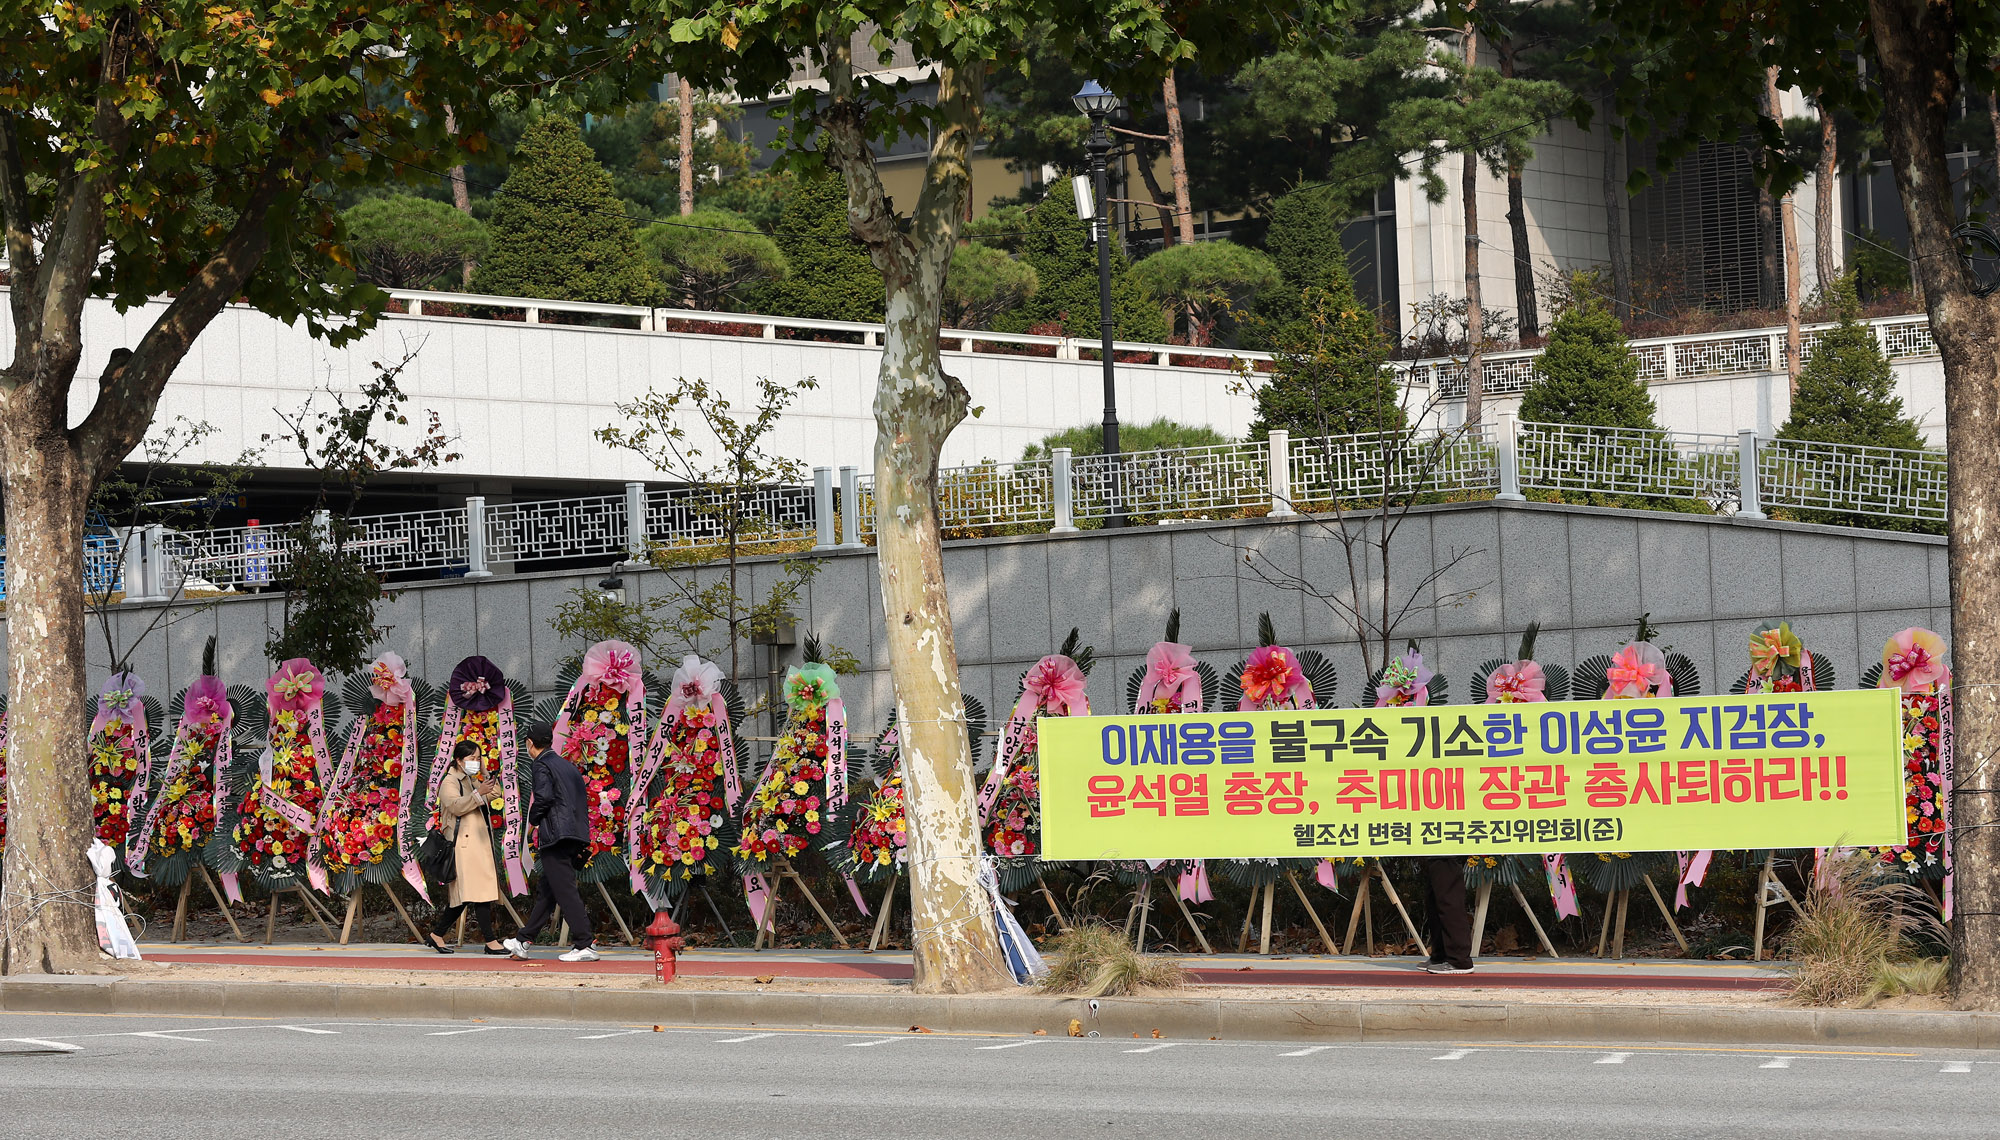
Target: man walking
(560,816)
(1444,912)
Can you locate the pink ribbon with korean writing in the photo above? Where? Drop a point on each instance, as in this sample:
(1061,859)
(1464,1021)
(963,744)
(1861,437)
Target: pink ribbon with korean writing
(1055,685)
(1562,888)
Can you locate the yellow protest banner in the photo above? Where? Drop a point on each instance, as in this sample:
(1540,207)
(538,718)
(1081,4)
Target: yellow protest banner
(1774,770)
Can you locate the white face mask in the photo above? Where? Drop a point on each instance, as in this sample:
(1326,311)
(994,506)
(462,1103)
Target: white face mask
(472,767)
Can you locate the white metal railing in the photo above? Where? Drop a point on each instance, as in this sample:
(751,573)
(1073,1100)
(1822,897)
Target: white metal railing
(641,318)
(1741,474)
(1663,359)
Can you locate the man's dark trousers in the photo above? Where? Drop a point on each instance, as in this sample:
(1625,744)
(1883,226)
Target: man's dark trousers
(560,864)
(1445,919)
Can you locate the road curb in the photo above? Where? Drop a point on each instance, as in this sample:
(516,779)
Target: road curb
(1333,1022)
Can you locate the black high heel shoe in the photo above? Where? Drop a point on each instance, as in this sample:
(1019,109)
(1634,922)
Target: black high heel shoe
(438,945)
(501,951)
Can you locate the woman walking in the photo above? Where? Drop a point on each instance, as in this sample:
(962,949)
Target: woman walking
(462,800)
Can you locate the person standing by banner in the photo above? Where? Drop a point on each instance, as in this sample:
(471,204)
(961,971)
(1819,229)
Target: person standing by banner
(1445,918)
(561,819)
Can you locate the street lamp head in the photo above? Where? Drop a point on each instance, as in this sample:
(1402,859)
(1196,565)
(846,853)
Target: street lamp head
(1094,100)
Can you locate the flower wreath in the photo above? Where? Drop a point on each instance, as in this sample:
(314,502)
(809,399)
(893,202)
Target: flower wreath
(693,755)
(806,778)
(1010,802)
(121,757)
(180,818)
(1913,661)
(360,827)
(602,730)
(1524,680)
(278,820)
(479,707)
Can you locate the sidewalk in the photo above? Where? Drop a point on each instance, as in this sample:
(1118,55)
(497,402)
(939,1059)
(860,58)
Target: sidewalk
(894,966)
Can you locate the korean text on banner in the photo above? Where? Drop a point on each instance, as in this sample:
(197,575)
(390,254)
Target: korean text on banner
(1814,769)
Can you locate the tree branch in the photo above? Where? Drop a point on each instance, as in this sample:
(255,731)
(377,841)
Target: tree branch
(130,387)
(941,205)
(1136,134)
(16,206)
(72,252)
(868,212)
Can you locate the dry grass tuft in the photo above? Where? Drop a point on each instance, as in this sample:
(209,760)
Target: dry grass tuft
(1095,960)
(1855,936)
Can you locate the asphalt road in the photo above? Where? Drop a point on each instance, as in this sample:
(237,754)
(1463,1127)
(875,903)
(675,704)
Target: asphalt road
(218,1079)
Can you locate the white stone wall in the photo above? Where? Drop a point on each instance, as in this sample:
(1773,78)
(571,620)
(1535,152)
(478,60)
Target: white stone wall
(524,400)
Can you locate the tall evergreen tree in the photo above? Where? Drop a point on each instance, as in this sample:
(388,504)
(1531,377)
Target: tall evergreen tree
(1586,375)
(1847,391)
(1332,375)
(559,229)
(1847,394)
(1057,245)
(831,276)
(1304,243)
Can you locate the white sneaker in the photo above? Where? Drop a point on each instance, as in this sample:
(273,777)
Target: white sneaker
(581,954)
(516,948)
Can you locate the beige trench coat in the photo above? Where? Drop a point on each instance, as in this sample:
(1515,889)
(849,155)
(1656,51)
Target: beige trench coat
(464,823)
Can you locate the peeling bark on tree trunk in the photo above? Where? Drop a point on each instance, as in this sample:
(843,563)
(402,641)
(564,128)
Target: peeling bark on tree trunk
(47,472)
(955,942)
(1915,46)
(46,924)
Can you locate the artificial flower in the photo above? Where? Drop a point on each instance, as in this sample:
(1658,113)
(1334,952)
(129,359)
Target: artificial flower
(1272,679)
(1636,671)
(1517,681)
(1913,660)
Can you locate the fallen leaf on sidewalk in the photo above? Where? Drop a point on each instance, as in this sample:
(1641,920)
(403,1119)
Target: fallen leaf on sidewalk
(1156,1035)
(765,979)
(658,1029)
(1041,1033)
(1075,1027)
(921,1029)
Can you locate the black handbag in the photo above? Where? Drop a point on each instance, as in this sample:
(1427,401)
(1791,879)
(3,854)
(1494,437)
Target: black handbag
(435,856)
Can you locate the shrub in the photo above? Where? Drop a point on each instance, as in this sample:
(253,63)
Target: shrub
(1094,960)
(1856,920)
(711,258)
(404,242)
(558,228)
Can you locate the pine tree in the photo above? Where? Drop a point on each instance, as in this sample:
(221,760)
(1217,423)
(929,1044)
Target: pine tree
(1847,394)
(1304,243)
(831,276)
(558,228)
(1586,376)
(1332,375)
(1057,245)
(1847,391)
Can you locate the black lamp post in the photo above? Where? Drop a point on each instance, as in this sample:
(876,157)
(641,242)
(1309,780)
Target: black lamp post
(1098,103)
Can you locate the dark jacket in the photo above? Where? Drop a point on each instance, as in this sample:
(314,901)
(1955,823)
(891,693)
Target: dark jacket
(559,809)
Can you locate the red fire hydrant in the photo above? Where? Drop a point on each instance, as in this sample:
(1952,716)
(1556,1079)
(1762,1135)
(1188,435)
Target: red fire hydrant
(664,937)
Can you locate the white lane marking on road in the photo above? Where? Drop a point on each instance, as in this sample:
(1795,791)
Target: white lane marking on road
(1454,1055)
(1777,1063)
(1956,1067)
(602,1036)
(866,1044)
(1152,1048)
(1612,1059)
(741,1040)
(1009,1045)
(309,1029)
(1307,1052)
(456,1032)
(40,1043)
(162,1036)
